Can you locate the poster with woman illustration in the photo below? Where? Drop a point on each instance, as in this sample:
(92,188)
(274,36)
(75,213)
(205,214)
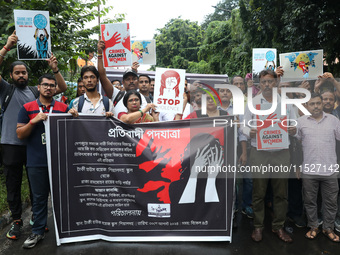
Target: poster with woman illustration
(144,51)
(117,44)
(263,59)
(33,31)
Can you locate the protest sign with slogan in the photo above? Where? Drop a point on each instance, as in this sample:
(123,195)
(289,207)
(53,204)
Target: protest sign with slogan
(168,91)
(165,181)
(302,65)
(263,59)
(117,44)
(144,51)
(272,131)
(34,34)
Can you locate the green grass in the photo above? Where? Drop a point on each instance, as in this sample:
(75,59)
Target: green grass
(3,193)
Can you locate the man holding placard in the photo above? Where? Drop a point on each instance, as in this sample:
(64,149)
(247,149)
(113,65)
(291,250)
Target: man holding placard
(267,158)
(14,150)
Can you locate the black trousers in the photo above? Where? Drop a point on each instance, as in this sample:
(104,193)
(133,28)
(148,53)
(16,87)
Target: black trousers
(14,159)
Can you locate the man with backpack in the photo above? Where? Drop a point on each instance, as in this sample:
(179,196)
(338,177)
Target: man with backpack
(12,98)
(91,102)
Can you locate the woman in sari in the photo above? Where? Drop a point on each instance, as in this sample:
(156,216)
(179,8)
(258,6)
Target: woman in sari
(132,101)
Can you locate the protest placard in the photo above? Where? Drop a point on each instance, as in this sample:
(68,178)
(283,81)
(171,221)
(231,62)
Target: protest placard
(272,131)
(302,65)
(34,34)
(169,88)
(117,44)
(263,59)
(144,51)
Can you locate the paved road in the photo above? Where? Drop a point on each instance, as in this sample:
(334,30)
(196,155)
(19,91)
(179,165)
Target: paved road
(242,244)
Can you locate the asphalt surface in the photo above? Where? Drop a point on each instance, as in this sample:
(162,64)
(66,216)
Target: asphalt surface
(241,244)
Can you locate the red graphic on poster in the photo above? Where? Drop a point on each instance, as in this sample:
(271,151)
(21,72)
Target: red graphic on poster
(117,44)
(170,79)
(271,133)
(171,158)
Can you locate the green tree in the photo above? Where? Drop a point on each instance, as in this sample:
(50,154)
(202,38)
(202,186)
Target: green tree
(225,48)
(294,25)
(216,46)
(222,12)
(177,43)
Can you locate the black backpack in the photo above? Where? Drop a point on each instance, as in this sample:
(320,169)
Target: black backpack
(106,103)
(118,97)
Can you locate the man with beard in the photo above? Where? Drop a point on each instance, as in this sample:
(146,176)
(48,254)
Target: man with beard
(328,101)
(130,82)
(92,102)
(277,157)
(30,127)
(13,149)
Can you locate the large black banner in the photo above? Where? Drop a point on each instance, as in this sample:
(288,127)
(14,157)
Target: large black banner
(165,181)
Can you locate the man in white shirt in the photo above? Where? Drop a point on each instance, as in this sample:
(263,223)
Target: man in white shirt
(91,102)
(130,82)
(268,158)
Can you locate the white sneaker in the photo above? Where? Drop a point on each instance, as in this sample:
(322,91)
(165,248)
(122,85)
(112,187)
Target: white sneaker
(32,240)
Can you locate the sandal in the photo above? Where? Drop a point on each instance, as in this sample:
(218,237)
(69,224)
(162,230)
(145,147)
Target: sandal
(331,235)
(312,233)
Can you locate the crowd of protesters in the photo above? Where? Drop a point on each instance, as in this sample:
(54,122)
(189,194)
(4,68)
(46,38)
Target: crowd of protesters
(295,198)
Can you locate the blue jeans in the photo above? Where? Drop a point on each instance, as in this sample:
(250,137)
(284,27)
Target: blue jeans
(247,194)
(40,186)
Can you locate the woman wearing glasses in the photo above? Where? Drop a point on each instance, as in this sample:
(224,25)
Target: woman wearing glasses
(132,101)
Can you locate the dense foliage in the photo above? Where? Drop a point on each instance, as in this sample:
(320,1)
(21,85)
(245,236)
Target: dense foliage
(224,41)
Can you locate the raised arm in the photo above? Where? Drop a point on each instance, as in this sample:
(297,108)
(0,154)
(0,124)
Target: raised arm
(46,34)
(11,41)
(107,86)
(61,84)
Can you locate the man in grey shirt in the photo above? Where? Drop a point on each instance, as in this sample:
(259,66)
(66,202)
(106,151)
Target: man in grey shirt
(14,150)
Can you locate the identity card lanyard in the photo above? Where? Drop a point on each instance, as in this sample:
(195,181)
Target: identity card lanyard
(43,135)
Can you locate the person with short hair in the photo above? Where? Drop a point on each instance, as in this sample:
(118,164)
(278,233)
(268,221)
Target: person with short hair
(94,102)
(30,127)
(318,133)
(130,82)
(80,90)
(13,149)
(279,182)
(144,82)
(117,84)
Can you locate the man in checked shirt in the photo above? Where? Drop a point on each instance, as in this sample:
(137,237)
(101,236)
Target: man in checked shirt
(318,133)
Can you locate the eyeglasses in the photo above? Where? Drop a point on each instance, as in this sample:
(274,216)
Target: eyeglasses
(46,85)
